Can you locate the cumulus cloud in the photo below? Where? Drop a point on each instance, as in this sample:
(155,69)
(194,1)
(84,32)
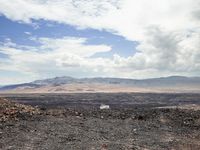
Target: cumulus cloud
(130,18)
(73,46)
(168,33)
(64,56)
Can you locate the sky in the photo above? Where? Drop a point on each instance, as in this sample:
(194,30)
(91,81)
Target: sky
(90,38)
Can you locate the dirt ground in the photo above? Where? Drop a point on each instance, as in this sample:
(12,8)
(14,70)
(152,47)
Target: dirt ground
(89,128)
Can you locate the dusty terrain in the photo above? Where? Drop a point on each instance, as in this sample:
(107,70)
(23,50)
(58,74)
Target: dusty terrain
(101,88)
(74,121)
(171,84)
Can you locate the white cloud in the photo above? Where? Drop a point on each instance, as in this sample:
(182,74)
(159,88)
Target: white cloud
(65,56)
(27,33)
(72,45)
(168,32)
(129,18)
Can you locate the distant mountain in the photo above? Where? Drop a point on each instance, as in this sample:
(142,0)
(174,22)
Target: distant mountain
(68,84)
(55,81)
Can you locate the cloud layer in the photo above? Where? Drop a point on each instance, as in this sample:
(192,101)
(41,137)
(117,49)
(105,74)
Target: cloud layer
(168,33)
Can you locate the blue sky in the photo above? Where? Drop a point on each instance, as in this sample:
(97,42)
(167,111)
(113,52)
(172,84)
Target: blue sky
(117,38)
(21,33)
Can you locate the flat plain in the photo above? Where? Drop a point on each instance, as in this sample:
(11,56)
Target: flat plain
(74,121)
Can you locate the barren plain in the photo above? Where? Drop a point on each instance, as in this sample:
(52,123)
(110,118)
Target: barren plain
(74,121)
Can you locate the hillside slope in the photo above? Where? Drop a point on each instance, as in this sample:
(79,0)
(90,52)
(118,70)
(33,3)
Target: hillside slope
(73,85)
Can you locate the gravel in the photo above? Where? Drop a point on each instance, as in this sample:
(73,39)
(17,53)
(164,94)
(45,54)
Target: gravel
(61,128)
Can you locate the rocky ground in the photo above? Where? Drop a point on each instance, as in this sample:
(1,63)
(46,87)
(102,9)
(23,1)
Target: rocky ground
(26,127)
(15,111)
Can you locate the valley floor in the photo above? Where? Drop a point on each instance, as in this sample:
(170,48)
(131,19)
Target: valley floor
(74,127)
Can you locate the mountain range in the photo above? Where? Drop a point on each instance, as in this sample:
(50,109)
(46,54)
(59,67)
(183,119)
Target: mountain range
(67,84)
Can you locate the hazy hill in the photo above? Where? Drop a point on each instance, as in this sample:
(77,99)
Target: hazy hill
(68,84)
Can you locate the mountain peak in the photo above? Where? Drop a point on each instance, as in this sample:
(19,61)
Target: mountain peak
(56,80)
(70,84)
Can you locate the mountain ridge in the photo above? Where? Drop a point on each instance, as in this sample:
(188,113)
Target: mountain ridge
(65,83)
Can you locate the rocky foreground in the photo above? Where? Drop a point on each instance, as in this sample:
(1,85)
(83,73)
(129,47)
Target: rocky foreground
(26,127)
(14,111)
